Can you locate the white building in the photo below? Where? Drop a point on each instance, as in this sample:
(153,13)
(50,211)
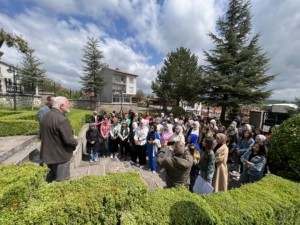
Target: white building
(120,86)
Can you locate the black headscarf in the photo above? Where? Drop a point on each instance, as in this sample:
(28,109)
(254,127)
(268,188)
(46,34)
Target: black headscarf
(151,133)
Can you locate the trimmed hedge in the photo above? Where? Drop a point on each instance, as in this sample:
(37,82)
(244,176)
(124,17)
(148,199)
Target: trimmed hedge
(90,200)
(284,149)
(17,185)
(123,198)
(25,122)
(18,127)
(7,113)
(24,115)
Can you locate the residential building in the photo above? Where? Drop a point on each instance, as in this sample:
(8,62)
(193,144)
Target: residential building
(120,86)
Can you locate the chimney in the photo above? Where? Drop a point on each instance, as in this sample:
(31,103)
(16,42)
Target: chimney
(117,69)
(107,66)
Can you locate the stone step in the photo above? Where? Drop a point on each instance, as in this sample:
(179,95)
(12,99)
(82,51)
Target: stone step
(11,145)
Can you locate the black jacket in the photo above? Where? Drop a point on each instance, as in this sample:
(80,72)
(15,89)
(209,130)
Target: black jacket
(92,135)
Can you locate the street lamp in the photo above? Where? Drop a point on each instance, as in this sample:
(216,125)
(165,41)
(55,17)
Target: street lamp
(16,76)
(121,92)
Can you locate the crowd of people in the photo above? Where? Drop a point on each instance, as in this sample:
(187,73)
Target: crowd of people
(186,147)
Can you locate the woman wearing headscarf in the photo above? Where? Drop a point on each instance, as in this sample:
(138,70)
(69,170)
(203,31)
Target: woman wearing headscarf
(114,137)
(123,135)
(140,139)
(133,155)
(189,128)
(231,130)
(177,135)
(167,134)
(195,129)
(220,178)
(153,144)
(213,127)
(192,139)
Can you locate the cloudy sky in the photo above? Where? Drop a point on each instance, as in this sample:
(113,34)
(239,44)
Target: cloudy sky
(136,35)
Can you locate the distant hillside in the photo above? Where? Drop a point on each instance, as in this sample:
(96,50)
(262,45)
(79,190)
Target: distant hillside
(272,101)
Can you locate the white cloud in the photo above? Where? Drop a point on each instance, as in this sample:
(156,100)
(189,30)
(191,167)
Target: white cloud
(58,29)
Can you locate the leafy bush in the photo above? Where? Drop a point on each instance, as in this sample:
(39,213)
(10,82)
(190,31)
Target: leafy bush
(24,115)
(18,127)
(90,200)
(284,149)
(177,111)
(7,113)
(17,184)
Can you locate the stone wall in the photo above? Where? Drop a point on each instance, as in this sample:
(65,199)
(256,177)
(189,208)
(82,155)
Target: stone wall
(22,101)
(90,105)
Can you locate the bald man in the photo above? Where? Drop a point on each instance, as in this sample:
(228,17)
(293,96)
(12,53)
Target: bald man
(58,141)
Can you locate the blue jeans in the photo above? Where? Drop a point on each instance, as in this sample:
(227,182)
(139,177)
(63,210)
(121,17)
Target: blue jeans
(207,178)
(93,154)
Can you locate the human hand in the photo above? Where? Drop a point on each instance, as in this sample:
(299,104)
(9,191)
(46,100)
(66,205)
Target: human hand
(238,152)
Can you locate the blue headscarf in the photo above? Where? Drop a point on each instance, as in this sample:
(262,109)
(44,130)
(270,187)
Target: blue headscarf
(193,138)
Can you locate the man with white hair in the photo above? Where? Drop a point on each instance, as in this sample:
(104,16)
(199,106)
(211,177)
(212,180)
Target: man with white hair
(58,141)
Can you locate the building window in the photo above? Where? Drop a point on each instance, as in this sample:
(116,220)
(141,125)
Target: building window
(130,89)
(130,80)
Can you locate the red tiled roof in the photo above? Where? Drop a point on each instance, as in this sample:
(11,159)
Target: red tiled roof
(117,70)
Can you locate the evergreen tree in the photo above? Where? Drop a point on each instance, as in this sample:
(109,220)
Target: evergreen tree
(178,78)
(13,40)
(92,80)
(236,70)
(31,76)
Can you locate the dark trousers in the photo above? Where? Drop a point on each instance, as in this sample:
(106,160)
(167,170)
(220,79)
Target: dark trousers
(124,147)
(133,153)
(141,153)
(114,145)
(104,150)
(58,172)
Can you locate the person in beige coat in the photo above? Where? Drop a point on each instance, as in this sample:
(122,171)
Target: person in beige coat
(220,178)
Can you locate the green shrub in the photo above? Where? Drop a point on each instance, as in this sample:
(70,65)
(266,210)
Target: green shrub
(172,206)
(24,115)
(78,120)
(284,149)
(18,127)
(8,112)
(17,185)
(177,111)
(90,200)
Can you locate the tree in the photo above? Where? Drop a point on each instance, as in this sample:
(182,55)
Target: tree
(92,80)
(178,78)
(140,95)
(31,75)
(13,40)
(236,70)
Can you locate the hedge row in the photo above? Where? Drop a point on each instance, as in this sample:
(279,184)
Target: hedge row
(24,115)
(17,185)
(90,200)
(25,122)
(123,198)
(8,112)
(18,127)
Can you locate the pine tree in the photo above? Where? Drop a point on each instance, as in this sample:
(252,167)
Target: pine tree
(237,67)
(92,80)
(178,78)
(31,75)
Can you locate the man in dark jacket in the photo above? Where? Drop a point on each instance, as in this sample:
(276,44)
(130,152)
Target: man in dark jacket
(178,166)
(58,141)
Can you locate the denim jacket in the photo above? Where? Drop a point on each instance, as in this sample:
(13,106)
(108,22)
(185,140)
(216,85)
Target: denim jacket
(259,164)
(244,146)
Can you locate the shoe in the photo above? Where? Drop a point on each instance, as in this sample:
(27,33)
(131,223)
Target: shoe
(153,171)
(111,156)
(91,161)
(138,165)
(96,160)
(141,167)
(131,162)
(116,155)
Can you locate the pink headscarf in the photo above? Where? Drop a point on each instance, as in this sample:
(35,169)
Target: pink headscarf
(166,135)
